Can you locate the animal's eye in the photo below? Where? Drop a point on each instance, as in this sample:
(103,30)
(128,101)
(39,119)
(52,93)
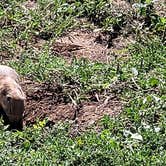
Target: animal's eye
(8,99)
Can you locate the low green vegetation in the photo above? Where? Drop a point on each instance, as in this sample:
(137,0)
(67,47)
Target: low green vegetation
(137,136)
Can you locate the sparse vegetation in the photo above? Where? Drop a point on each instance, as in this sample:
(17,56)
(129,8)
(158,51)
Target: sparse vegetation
(136,136)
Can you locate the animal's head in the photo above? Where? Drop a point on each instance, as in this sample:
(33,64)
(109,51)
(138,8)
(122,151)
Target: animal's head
(12,101)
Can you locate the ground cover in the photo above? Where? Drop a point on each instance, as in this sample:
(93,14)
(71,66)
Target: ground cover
(94,76)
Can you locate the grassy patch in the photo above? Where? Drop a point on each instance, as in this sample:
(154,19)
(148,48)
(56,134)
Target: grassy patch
(136,136)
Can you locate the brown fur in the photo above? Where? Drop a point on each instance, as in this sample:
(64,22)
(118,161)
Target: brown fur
(8,71)
(11,101)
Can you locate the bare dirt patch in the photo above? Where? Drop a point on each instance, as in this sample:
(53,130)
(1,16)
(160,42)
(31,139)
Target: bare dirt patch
(93,45)
(47,100)
(81,43)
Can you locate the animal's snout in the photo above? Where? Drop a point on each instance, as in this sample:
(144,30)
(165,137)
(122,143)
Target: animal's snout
(18,125)
(14,113)
(14,122)
(15,108)
(14,118)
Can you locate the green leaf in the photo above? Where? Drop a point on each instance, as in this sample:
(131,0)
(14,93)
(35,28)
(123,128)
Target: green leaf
(148,1)
(26,144)
(153,82)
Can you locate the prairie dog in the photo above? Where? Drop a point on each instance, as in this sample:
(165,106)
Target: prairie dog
(12,98)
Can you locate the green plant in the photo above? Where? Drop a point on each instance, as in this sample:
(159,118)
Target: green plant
(134,137)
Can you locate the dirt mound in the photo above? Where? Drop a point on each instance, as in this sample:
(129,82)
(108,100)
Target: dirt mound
(93,45)
(48,100)
(81,43)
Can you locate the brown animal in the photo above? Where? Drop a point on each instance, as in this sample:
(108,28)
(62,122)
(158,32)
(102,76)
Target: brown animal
(12,98)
